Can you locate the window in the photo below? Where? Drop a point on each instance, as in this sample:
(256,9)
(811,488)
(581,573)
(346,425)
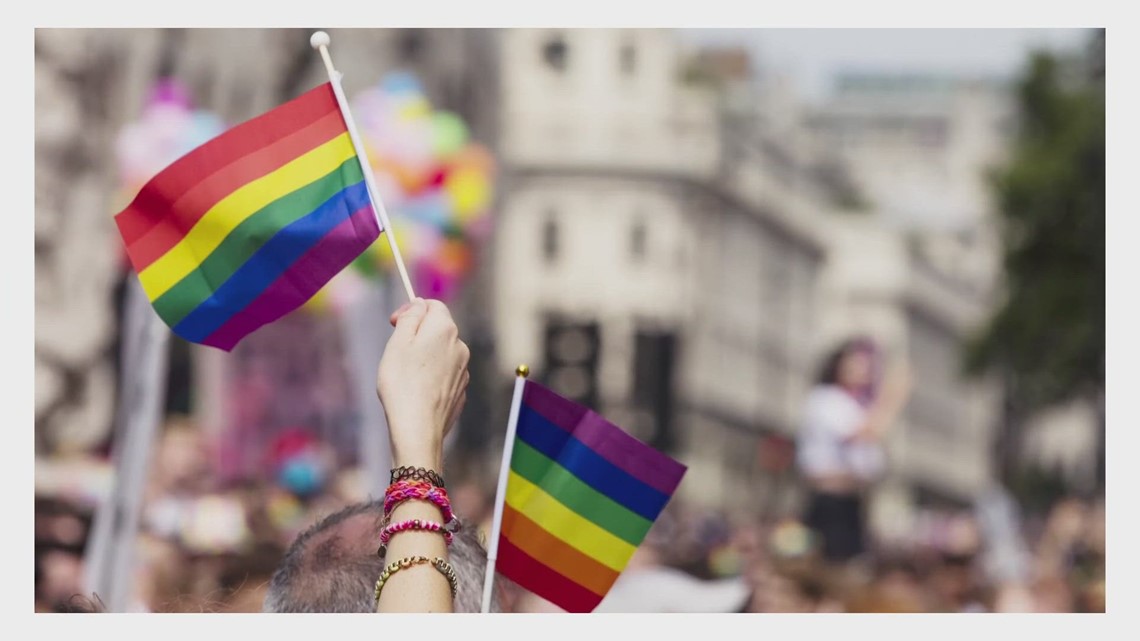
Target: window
(628,59)
(410,45)
(555,53)
(550,238)
(638,240)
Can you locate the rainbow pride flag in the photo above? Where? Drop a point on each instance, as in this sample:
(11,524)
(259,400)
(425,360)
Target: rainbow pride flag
(580,497)
(249,226)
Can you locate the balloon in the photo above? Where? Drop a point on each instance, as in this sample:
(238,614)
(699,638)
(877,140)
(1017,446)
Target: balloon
(319,303)
(410,179)
(434,283)
(391,192)
(169,91)
(414,109)
(417,242)
(431,209)
(469,191)
(474,157)
(204,126)
(454,258)
(381,249)
(401,82)
(449,134)
(435,183)
(438,176)
(167,129)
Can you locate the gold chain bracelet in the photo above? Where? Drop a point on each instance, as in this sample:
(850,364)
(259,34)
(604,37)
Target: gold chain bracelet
(439,564)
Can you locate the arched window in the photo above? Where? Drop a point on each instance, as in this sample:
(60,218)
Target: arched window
(550,240)
(411,45)
(555,53)
(638,239)
(627,59)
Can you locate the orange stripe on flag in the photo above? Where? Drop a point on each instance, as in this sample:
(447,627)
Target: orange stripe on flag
(555,553)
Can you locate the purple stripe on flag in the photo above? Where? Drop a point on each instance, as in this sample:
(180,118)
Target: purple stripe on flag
(609,441)
(303,279)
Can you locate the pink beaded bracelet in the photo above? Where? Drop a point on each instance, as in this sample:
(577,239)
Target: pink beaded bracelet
(405,490)
(411,524)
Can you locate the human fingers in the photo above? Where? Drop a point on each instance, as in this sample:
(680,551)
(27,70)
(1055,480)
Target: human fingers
(408,323)
(396,314)
(438,321)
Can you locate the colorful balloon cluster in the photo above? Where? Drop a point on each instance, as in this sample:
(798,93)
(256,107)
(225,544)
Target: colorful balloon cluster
(168,128)
(435,183)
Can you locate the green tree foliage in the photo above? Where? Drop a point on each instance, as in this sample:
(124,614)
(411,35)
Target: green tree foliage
(1047,338)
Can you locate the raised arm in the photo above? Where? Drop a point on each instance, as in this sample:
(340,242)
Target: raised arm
(422,382)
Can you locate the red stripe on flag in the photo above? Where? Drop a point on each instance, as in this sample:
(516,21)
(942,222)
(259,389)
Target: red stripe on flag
(532,575)
(175,219)
(557,554)
(186,172)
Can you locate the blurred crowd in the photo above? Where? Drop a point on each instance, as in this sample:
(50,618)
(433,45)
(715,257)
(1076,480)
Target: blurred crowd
(751,566)
(209,547)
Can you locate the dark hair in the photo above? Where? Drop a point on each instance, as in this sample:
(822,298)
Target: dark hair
(81,604)
(829,372)
(326,569)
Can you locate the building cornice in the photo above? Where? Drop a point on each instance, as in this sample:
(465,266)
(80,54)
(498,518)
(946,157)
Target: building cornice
(714,188)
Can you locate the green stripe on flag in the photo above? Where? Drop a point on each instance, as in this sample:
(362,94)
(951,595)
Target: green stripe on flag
(244,241)
(570,491)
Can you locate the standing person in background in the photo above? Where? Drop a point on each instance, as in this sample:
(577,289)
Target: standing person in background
(840,445)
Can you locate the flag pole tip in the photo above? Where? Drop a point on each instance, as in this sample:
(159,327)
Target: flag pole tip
(319,39)
(522,370)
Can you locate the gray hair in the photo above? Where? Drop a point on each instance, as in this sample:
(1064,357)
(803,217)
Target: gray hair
(333,566)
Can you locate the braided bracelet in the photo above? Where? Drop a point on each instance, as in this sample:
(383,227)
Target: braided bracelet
(408,472)
(439,564)
(401,491)
(404,526)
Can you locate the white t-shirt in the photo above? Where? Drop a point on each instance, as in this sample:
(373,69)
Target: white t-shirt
(831,418)
(663,589)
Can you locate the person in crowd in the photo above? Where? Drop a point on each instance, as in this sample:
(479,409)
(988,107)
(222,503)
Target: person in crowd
(647,584)
(399,554)
(840,444)
(333,566)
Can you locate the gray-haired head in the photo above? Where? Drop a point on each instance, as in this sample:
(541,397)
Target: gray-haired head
(333,566)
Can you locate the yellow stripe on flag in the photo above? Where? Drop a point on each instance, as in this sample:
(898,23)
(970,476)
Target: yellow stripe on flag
(562,522)
(231,211)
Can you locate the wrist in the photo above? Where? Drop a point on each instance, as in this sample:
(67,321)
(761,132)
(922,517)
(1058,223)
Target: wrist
(427,458)
(415,443)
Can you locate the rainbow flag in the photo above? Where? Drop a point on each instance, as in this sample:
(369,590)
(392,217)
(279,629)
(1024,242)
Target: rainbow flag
(249,226)
(580,497)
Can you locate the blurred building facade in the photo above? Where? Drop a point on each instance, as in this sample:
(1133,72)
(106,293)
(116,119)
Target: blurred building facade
(920,269)
(676,245)
(678,240)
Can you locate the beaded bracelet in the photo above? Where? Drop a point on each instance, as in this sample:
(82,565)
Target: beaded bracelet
(439,564)
(401,491)
(412,524)
(417,474)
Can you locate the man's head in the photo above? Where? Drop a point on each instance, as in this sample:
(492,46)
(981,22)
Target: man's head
(333,566)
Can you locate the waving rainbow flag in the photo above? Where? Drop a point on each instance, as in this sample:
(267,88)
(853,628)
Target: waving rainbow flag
(580,496)
(249,226)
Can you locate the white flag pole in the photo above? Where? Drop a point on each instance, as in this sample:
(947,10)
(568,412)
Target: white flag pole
(501,492)
(115,532)
(320,41)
